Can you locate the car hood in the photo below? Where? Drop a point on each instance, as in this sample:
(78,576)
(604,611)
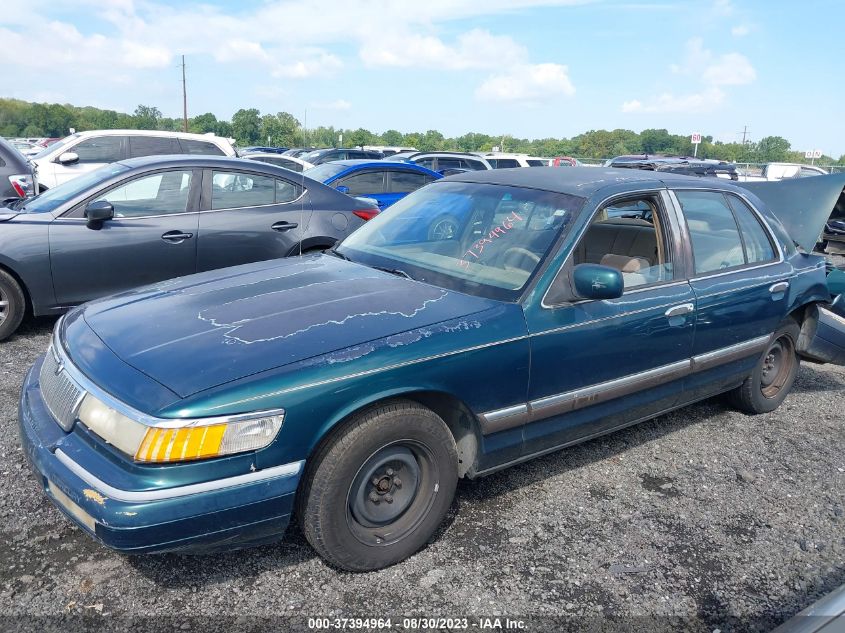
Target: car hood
(202,331)
(802,205)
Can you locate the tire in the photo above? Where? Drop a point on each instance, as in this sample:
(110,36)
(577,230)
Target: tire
(444,227)
(375,493)
(773,376)
(12,305)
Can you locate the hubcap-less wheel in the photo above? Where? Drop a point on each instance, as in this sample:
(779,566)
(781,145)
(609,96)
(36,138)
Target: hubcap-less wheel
(392,492)
(777,366)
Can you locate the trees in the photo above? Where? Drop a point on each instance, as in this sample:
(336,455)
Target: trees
(146,117)
(203,123)
(246,126)
(772,149)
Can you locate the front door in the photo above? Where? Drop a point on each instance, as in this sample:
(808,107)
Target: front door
(597,365)
(151,238)
(249,217)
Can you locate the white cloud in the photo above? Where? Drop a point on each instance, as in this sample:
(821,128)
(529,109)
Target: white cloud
(474,49)
(732,69)
(527,83)
(708,71)
(740,30)
(694,103)
(339,104)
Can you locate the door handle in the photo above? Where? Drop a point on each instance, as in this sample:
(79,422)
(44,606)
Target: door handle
(681,310)
(176,237)
(781,286)
(284,226)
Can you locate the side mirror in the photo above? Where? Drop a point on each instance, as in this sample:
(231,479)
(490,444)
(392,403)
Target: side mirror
(68,158)
(592,281)
(98,212)
(342,189)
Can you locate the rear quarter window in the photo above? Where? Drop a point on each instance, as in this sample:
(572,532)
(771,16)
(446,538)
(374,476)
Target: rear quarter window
(200,147)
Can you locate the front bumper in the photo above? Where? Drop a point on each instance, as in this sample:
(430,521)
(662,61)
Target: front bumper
(238,511)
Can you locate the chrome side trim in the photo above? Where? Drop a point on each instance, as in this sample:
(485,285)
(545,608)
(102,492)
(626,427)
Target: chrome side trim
(718,357)
(558,404)
(131,496)
(504,419)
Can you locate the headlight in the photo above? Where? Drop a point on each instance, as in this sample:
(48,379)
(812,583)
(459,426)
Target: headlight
(184,440)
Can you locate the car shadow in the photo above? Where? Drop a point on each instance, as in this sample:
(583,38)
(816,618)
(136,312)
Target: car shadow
(811,379)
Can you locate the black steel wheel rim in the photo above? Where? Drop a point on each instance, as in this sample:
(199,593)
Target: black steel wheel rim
(392,493)
(777,365)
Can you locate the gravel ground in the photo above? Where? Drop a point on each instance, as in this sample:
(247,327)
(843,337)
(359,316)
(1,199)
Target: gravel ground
(718,519)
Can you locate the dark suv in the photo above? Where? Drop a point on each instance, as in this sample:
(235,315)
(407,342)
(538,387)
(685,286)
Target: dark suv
(320,156)
(684,165)
(17,176)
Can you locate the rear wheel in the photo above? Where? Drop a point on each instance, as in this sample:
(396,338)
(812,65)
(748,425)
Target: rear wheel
(12,305)
(377,491)
(772,379)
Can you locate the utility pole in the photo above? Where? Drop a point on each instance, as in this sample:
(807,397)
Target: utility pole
(744,132)
(184,98)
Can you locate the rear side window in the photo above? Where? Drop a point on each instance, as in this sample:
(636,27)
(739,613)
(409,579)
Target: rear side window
(287,191)
(406,181)
(427,163)
(475,165)
(449,163)
(758,247)
(200,147)
(716,243)
(152,145)
(533,162)
(502,163)
(232,190)
(281,162)
(100,149)
(368,182)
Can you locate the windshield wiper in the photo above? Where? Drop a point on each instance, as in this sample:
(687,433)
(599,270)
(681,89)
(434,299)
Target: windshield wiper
(394,271)
(336,253)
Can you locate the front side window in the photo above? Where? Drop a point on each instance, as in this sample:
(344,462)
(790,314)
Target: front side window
(713,230)
(164,193)
(406,181)
(482,239)
(536,162)
(101,149)
(364,183)
(233,190)
(621,238)
(56,196)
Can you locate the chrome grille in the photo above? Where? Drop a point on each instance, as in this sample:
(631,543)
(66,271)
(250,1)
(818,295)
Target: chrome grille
(61,395)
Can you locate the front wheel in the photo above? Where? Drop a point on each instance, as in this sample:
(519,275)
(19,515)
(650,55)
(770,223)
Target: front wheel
(773,376)
(12,305)
(377,491)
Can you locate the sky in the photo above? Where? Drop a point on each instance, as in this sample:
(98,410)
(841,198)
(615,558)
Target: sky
(526,68)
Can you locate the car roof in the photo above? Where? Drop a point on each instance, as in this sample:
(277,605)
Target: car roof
(364,163)
(198,160)
(583,181)
(187,135)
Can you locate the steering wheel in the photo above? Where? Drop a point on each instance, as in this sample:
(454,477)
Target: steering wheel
(516,256)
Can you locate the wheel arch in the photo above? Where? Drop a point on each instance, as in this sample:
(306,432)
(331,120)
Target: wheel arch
(320,242)
(26,294)
(459,418)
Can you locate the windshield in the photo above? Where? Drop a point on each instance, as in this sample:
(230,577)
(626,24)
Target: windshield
(58,195)
(482,239)
(325,171)
(310,157)
(56,146)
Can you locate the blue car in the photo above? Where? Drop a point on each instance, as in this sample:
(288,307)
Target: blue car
(353,389)
(384,181)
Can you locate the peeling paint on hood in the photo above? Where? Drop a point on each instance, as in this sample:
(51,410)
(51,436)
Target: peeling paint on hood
(206,330)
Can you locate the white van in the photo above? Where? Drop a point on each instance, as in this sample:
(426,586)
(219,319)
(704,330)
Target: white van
(86,151)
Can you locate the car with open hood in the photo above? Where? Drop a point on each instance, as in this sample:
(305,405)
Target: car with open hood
(353,389)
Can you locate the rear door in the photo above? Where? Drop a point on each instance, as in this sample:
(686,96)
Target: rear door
(151,238)
(741,284)
(248,217)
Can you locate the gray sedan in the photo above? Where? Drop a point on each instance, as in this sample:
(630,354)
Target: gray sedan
(149,219)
